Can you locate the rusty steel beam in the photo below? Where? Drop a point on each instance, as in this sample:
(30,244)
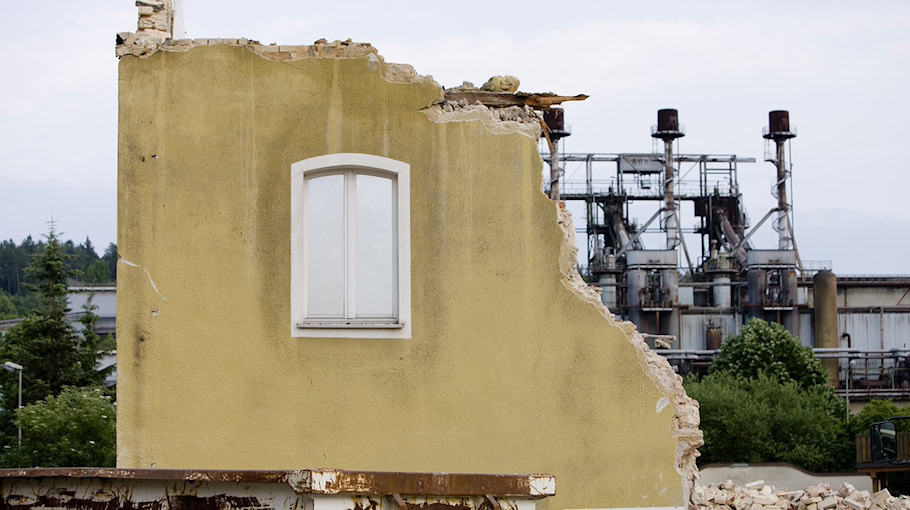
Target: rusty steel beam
(325,481)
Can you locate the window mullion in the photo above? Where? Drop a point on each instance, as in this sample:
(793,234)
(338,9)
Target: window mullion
(395,260)
(350,248)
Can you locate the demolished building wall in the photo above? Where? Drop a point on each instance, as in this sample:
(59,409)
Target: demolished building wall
(513,364)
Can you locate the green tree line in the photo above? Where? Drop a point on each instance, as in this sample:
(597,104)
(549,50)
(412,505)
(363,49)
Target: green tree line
(82,265)
(67,416)
(765,399)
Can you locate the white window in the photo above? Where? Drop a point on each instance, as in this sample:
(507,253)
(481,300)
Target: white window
(350,247)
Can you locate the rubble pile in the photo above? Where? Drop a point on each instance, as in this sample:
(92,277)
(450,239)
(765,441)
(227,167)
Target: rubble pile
(759,496)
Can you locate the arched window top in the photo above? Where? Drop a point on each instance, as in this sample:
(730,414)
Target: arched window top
(348,160)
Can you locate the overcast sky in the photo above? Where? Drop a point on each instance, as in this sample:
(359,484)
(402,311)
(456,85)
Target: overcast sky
(840,68)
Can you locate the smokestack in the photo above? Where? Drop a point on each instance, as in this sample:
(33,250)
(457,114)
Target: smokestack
(667,129)
(779,130)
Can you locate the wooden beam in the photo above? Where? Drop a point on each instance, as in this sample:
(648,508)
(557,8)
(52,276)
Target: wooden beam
(540,101)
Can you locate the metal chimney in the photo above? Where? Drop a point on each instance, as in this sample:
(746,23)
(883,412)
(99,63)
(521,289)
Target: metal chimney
(668,130)
(779,130)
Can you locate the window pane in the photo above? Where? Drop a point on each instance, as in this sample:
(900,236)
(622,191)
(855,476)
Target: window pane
(376,247)
(325,246)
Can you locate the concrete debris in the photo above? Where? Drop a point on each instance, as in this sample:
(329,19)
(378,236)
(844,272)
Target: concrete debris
(465,86)
(513,119)
(507,84)
(143,44)
(154,27)
(759,496)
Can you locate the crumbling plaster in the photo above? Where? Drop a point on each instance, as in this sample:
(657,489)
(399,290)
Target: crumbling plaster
(498,121)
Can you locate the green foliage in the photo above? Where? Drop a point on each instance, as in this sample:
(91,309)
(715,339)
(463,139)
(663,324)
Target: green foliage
(766,399)
(769,348)
(82,264)
(110,258)
(75,428)
(96,272)
(13,261)
(15,307)
(762,419)
(46,344)
(8,309)
(877,410)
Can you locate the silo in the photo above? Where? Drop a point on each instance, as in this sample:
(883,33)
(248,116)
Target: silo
(825,293)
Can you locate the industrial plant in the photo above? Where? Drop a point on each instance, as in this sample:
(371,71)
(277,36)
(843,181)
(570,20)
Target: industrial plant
(688,297)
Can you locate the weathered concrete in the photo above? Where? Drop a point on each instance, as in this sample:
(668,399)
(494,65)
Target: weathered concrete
(514,365)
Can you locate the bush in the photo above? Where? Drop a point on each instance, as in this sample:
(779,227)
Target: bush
(877,410)
(764,419)
(75,428)
(771,349)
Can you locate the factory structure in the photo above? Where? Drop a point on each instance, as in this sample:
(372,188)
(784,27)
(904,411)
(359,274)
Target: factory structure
(687,297)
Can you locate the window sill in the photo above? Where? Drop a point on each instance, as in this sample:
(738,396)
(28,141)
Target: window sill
(349,325)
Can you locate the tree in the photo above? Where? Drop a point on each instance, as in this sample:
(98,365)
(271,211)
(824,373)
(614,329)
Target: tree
(766,399)
(110,257)
(769,348)
(46,344)
(75,428)
(763,419)
(8,309)
(96,272)
(877,410)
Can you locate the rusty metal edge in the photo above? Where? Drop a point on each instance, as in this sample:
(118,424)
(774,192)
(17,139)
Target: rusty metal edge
(327,481)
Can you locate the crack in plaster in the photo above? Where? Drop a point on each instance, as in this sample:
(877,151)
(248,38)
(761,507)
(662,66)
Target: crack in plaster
(685,418)
(125,262)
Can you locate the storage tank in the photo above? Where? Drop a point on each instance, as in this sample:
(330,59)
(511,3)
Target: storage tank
(826,334)
(667,120)
(779,121)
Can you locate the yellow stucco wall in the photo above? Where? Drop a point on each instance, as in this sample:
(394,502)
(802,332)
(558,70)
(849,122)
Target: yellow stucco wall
(508,370)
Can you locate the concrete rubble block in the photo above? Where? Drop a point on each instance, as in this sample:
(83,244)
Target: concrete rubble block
(723,497)
(765,499)
(814,497)
(698,495)
(828,502)
(506,84)
(855,505)
(795,496)
(740,502)
(757,484)
(881,497)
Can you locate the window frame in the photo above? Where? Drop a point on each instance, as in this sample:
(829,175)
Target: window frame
(341,163)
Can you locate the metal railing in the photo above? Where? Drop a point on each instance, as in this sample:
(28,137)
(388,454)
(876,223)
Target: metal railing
(810,267)
(644,187)
(862,374)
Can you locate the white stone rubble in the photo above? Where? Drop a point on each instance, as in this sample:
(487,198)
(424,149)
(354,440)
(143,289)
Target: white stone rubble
(758,495)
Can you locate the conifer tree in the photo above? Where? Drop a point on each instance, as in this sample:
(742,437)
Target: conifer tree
(53,354)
